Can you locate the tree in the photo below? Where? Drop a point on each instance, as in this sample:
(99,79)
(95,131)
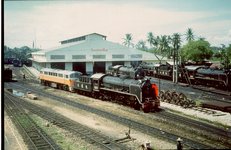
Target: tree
(225,55)
(150,39)
(163,44)
(128,40)
(141,45)
(176,41)
(196,51)
(189,35)
(229,51)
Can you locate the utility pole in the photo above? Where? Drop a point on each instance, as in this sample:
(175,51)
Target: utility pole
(174,64)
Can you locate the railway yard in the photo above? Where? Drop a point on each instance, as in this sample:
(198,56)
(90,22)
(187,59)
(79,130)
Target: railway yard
(58,119)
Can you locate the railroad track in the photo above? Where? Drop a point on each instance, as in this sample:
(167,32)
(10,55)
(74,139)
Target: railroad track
(127,122)
(33,136)
(89,135)
(224,135)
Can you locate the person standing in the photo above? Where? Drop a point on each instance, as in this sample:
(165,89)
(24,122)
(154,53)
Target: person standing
(179,144)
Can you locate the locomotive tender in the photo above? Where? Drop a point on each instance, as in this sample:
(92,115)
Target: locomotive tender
(139,94)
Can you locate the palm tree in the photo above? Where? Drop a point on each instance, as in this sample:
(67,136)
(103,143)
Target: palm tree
(156,41)
(163,44)
(150,39)
(176,41)
(189,35)
(141,45)
(127,40)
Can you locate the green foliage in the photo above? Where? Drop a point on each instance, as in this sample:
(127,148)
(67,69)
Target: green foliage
(223,54)
(141,45)
(128,40)
(21,53)
(196,51)
(229,52)
(189,35)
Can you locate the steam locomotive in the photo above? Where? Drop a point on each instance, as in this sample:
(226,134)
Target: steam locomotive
(197,74)
(136,93)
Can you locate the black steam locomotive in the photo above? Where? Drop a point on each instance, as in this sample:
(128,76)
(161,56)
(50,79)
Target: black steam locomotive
(197,74)
(129,72)
(139,94)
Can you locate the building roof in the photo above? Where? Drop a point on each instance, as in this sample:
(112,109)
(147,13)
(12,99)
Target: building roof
(80,38)
(91,50)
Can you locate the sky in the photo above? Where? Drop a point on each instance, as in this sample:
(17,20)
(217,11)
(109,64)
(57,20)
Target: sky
(47,22)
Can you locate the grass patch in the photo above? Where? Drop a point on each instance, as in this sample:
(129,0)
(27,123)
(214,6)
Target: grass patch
(63,138)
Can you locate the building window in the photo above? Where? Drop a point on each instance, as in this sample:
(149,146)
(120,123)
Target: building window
(57,57)
(99,56)
(78,56)
(117,56)
(136,56)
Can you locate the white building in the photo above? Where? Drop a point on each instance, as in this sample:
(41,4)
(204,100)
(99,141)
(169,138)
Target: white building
(89,54)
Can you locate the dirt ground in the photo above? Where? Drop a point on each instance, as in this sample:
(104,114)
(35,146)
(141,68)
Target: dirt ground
(107,127)
(12,139)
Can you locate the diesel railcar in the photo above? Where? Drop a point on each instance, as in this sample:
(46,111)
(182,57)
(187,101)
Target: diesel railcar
(61,79)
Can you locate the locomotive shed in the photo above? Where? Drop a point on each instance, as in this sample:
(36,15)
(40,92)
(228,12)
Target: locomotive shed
(96,123)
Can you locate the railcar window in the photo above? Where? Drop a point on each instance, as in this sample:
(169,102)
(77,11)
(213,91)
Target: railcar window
(60,75)
(66,76)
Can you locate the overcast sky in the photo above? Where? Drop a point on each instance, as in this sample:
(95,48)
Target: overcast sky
(49,22)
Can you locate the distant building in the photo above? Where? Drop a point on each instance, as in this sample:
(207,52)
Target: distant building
(89,54)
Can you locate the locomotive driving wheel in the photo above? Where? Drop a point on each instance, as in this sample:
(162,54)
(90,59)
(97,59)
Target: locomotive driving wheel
(161,96)
(168,96)
(183,100)
(175,99)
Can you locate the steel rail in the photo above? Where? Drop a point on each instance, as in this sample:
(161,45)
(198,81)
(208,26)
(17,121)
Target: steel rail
(127,122)
(90,135)
(33,135)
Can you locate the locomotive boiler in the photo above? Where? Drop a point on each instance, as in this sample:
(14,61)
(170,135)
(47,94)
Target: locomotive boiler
(130,72)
